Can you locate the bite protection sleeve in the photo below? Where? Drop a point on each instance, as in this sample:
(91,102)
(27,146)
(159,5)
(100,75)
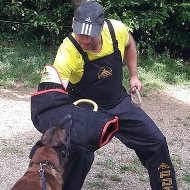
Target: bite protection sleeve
(51,103)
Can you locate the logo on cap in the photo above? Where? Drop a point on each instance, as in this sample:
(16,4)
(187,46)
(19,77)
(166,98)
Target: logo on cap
(88,19)
(86,29)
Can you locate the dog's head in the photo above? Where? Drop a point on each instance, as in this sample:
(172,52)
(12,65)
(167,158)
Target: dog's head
(57,137)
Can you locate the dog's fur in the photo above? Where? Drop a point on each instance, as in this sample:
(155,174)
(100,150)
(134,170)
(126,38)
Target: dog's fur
(51,152)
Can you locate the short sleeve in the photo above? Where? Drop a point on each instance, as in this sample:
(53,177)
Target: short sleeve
(64,61)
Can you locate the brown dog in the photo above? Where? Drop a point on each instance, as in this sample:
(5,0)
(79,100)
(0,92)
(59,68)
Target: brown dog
(48,157)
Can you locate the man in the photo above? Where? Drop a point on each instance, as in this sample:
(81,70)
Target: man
(89,62)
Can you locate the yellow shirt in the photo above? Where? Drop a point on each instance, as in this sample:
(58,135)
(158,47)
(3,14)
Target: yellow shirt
(69,62)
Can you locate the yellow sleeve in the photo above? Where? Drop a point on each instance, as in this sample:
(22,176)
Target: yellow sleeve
(121,30)
(64,60)
(125,34)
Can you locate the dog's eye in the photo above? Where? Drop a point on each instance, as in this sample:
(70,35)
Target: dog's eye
(63,154)
(63,157)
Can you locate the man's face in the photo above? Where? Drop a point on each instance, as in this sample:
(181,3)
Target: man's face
(87,42)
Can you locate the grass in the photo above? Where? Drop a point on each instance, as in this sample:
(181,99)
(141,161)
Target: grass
(116,177)
(157,70)
(163,69)
(99,184)
(109,163)
(186,177)
(9,149)
(23,63)
(134,167)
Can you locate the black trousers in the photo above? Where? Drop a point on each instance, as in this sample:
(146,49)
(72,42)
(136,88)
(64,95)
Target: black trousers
(138,132)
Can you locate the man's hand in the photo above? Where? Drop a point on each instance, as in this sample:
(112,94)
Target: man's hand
(136,86)
(135,83)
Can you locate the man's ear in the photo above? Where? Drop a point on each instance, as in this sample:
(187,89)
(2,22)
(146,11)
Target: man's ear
(102,28)
(73,21)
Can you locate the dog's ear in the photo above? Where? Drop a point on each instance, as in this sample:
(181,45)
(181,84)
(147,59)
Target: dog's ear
(66,122)
(52,136)
(34,148)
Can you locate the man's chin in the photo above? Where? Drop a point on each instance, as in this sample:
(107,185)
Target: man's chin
(85,47)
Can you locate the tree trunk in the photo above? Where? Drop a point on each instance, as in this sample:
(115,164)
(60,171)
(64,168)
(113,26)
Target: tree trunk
(76,3)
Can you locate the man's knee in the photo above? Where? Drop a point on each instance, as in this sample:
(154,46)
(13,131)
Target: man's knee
(159,139)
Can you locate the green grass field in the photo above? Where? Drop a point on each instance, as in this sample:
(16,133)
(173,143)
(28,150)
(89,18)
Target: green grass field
(24,63)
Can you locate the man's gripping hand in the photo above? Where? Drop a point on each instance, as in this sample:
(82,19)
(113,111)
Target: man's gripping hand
(50,79)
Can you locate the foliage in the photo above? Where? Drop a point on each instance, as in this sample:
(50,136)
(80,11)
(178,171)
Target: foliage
(156,25)
(39,19)
(157,70)
(23,63)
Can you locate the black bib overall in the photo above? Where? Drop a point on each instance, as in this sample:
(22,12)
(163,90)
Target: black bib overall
(102,78)
(102,82)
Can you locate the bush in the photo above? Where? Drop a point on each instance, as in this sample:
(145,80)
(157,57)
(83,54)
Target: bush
(157,25)
(47,22)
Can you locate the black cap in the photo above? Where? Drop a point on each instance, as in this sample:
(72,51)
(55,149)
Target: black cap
(89,19)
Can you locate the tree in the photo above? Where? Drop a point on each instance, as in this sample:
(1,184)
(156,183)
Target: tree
(157,25)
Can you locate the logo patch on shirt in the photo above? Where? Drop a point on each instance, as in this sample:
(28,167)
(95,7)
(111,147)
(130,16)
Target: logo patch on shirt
(104,72)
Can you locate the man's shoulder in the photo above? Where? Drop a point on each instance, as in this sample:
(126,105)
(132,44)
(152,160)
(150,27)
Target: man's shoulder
(66,41)
(67,44)
(116,23)
(118,26)
(120,29)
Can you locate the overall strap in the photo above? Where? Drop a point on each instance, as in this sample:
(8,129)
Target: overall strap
(115,42)
(80,50)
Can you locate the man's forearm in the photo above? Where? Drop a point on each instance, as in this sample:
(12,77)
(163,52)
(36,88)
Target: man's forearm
(130,57)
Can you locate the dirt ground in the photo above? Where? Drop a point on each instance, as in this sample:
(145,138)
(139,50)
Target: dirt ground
(115,167)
